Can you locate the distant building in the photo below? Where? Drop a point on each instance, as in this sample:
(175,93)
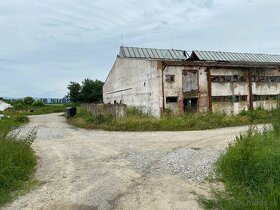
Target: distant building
(154,80)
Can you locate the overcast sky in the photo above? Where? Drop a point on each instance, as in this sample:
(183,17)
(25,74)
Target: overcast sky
(45,44)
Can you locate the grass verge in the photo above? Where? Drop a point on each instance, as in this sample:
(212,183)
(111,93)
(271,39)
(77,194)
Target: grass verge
(46,109)
(250,171)
(17,163)
(17,159)
(136,121)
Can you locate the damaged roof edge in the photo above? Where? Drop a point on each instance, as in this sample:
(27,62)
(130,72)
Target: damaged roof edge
(196,55)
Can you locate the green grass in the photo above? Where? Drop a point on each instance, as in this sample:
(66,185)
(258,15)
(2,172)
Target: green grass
(136,121)
(17,159)
(250,171)
(17,163)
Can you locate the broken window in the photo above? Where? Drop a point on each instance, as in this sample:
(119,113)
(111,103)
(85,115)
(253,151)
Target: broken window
(222,79)
(170,78)
(234,98)
(235,78)
(264,97)
(215,98)
(261,79)
(215,79)
(243,98)
(254,78)
(227,78)
(171,99)
(273,97)
(255,98)
(221,98)
(242,79)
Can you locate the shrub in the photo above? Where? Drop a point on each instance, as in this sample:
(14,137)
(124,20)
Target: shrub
(28,100)
(19,104)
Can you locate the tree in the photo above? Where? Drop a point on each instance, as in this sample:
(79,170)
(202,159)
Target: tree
(90,91)
(28,100)
(74,91)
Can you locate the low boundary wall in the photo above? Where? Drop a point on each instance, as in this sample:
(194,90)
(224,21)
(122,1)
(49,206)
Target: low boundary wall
(116,110)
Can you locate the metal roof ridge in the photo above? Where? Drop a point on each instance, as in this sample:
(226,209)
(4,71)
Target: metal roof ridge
(234,52)
(154,48)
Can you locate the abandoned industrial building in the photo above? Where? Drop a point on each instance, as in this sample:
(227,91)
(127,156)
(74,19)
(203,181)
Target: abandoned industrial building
(154,80)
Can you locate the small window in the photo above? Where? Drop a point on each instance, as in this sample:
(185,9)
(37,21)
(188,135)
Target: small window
(243,98)
(273,97)
(242,79)
(227,78)
(236,98)
(170,78)
(215,79)
(171,99)
(235,78)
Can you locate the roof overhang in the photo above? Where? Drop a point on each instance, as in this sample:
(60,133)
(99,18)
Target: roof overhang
(214,64)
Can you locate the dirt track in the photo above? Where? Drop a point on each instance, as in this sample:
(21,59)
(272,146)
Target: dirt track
(85,169)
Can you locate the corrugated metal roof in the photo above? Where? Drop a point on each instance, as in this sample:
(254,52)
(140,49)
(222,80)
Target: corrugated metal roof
(235,57)
(151,53)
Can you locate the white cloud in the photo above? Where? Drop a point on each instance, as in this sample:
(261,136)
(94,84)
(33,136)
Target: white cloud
(46,44)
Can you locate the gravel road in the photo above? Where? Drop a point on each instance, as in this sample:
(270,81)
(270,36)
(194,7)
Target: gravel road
(85,169)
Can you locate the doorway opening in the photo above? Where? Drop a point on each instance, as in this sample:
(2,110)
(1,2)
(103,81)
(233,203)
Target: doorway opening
(190,104)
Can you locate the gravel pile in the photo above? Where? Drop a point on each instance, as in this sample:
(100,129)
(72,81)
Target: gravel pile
(194,164)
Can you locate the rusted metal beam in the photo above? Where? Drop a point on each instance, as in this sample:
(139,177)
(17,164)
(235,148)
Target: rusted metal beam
(251,106)
(209,89)
(220,64)
(162,85)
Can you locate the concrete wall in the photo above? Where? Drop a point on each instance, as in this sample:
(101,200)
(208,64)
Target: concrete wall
(116,110)
(135,82)
(242,88)
(230,89)
(173,89)
(139,83)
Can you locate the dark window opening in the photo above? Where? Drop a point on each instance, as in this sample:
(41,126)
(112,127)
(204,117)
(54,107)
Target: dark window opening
(256,78)
(243,98)
(221,98)
(242,79)
(235,98)
(171,99)
(264,97)
(170,78)
(233,78)
(215,79)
